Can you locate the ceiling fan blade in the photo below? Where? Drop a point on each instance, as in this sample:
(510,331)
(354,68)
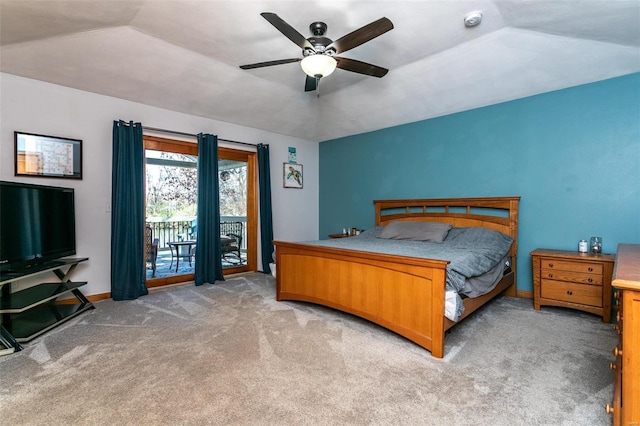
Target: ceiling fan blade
(287,30)
(362,35)
(310,84)
(270,63)
(360,67)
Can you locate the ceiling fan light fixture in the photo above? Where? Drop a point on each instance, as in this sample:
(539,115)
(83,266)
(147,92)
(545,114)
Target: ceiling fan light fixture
(318,66)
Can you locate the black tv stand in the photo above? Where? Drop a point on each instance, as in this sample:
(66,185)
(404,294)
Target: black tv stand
(26,314)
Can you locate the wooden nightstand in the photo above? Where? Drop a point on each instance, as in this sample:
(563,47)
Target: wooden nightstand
(573,280)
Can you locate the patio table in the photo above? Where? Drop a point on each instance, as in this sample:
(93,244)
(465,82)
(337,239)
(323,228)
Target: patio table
(176,246)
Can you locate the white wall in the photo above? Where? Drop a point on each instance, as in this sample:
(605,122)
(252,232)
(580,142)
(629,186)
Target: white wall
(36,107)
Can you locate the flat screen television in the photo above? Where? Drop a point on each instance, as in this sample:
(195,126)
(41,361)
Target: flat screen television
(37,224)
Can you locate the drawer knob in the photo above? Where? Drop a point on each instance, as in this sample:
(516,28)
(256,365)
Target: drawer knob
(617,351)
(550,275)
(612,366)
(590,269)
(569,292)
(590,280)
(609,409)
(551,265)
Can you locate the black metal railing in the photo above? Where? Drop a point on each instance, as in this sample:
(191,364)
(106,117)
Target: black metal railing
(169,231)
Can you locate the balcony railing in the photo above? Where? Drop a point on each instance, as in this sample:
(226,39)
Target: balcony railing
(168,231)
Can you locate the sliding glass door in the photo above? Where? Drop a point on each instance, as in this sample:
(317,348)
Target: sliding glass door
(171,207)
(238,224)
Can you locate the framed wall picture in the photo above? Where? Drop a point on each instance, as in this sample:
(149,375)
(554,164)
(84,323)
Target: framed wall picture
(47,156)
(292,175)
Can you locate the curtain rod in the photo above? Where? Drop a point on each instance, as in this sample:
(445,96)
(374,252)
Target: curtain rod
(155,129)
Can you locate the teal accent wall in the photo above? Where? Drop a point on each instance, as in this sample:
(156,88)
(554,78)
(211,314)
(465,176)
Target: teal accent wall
(572,155)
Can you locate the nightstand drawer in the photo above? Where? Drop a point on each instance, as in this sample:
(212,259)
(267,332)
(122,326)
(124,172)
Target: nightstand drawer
(582,294)
(577,277)
(584,267)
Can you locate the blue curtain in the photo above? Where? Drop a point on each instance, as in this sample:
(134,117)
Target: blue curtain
(127,212)
(208,253)
(266,219)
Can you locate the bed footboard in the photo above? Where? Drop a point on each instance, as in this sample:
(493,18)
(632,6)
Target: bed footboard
(402,294)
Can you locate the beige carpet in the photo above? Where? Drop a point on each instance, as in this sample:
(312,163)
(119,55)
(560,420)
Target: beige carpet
(230,354)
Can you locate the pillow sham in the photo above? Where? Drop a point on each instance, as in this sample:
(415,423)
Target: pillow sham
(434,232)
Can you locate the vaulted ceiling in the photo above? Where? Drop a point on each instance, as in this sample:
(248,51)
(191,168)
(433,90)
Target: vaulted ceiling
(185,56)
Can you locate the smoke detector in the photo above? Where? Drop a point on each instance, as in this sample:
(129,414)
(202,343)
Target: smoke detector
(473,19)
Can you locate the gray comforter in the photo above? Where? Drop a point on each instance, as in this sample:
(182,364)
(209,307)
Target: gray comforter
(471,251)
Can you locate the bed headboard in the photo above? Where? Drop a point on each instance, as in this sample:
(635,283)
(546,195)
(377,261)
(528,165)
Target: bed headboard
(498,213)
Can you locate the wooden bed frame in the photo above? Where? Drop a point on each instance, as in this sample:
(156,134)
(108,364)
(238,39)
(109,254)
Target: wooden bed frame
(403,294)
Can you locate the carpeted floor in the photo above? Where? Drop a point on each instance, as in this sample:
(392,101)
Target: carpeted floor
(230,354)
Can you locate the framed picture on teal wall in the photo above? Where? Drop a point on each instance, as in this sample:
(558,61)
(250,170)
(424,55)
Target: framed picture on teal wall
(292,175)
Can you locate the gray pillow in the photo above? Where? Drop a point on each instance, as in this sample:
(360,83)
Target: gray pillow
(417,231)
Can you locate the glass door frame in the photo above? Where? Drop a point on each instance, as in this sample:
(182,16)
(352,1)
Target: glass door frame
(224,153)
(250,158)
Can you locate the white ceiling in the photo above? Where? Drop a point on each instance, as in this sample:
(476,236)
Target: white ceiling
(185,56)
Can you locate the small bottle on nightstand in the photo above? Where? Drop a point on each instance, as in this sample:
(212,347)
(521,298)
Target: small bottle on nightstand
(582,246)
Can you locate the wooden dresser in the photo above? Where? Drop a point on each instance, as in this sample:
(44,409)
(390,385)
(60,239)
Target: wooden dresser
(625,407)
(573,280)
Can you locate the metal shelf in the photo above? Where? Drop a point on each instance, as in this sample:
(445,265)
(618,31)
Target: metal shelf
(30,312)
(7,277)
(36,321)
(31,297)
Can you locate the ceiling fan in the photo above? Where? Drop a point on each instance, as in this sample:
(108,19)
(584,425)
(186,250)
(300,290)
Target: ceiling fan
(318,52)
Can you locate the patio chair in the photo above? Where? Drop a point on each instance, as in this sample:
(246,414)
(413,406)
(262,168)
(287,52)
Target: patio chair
(193,230)
(231,241)
(151,247)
